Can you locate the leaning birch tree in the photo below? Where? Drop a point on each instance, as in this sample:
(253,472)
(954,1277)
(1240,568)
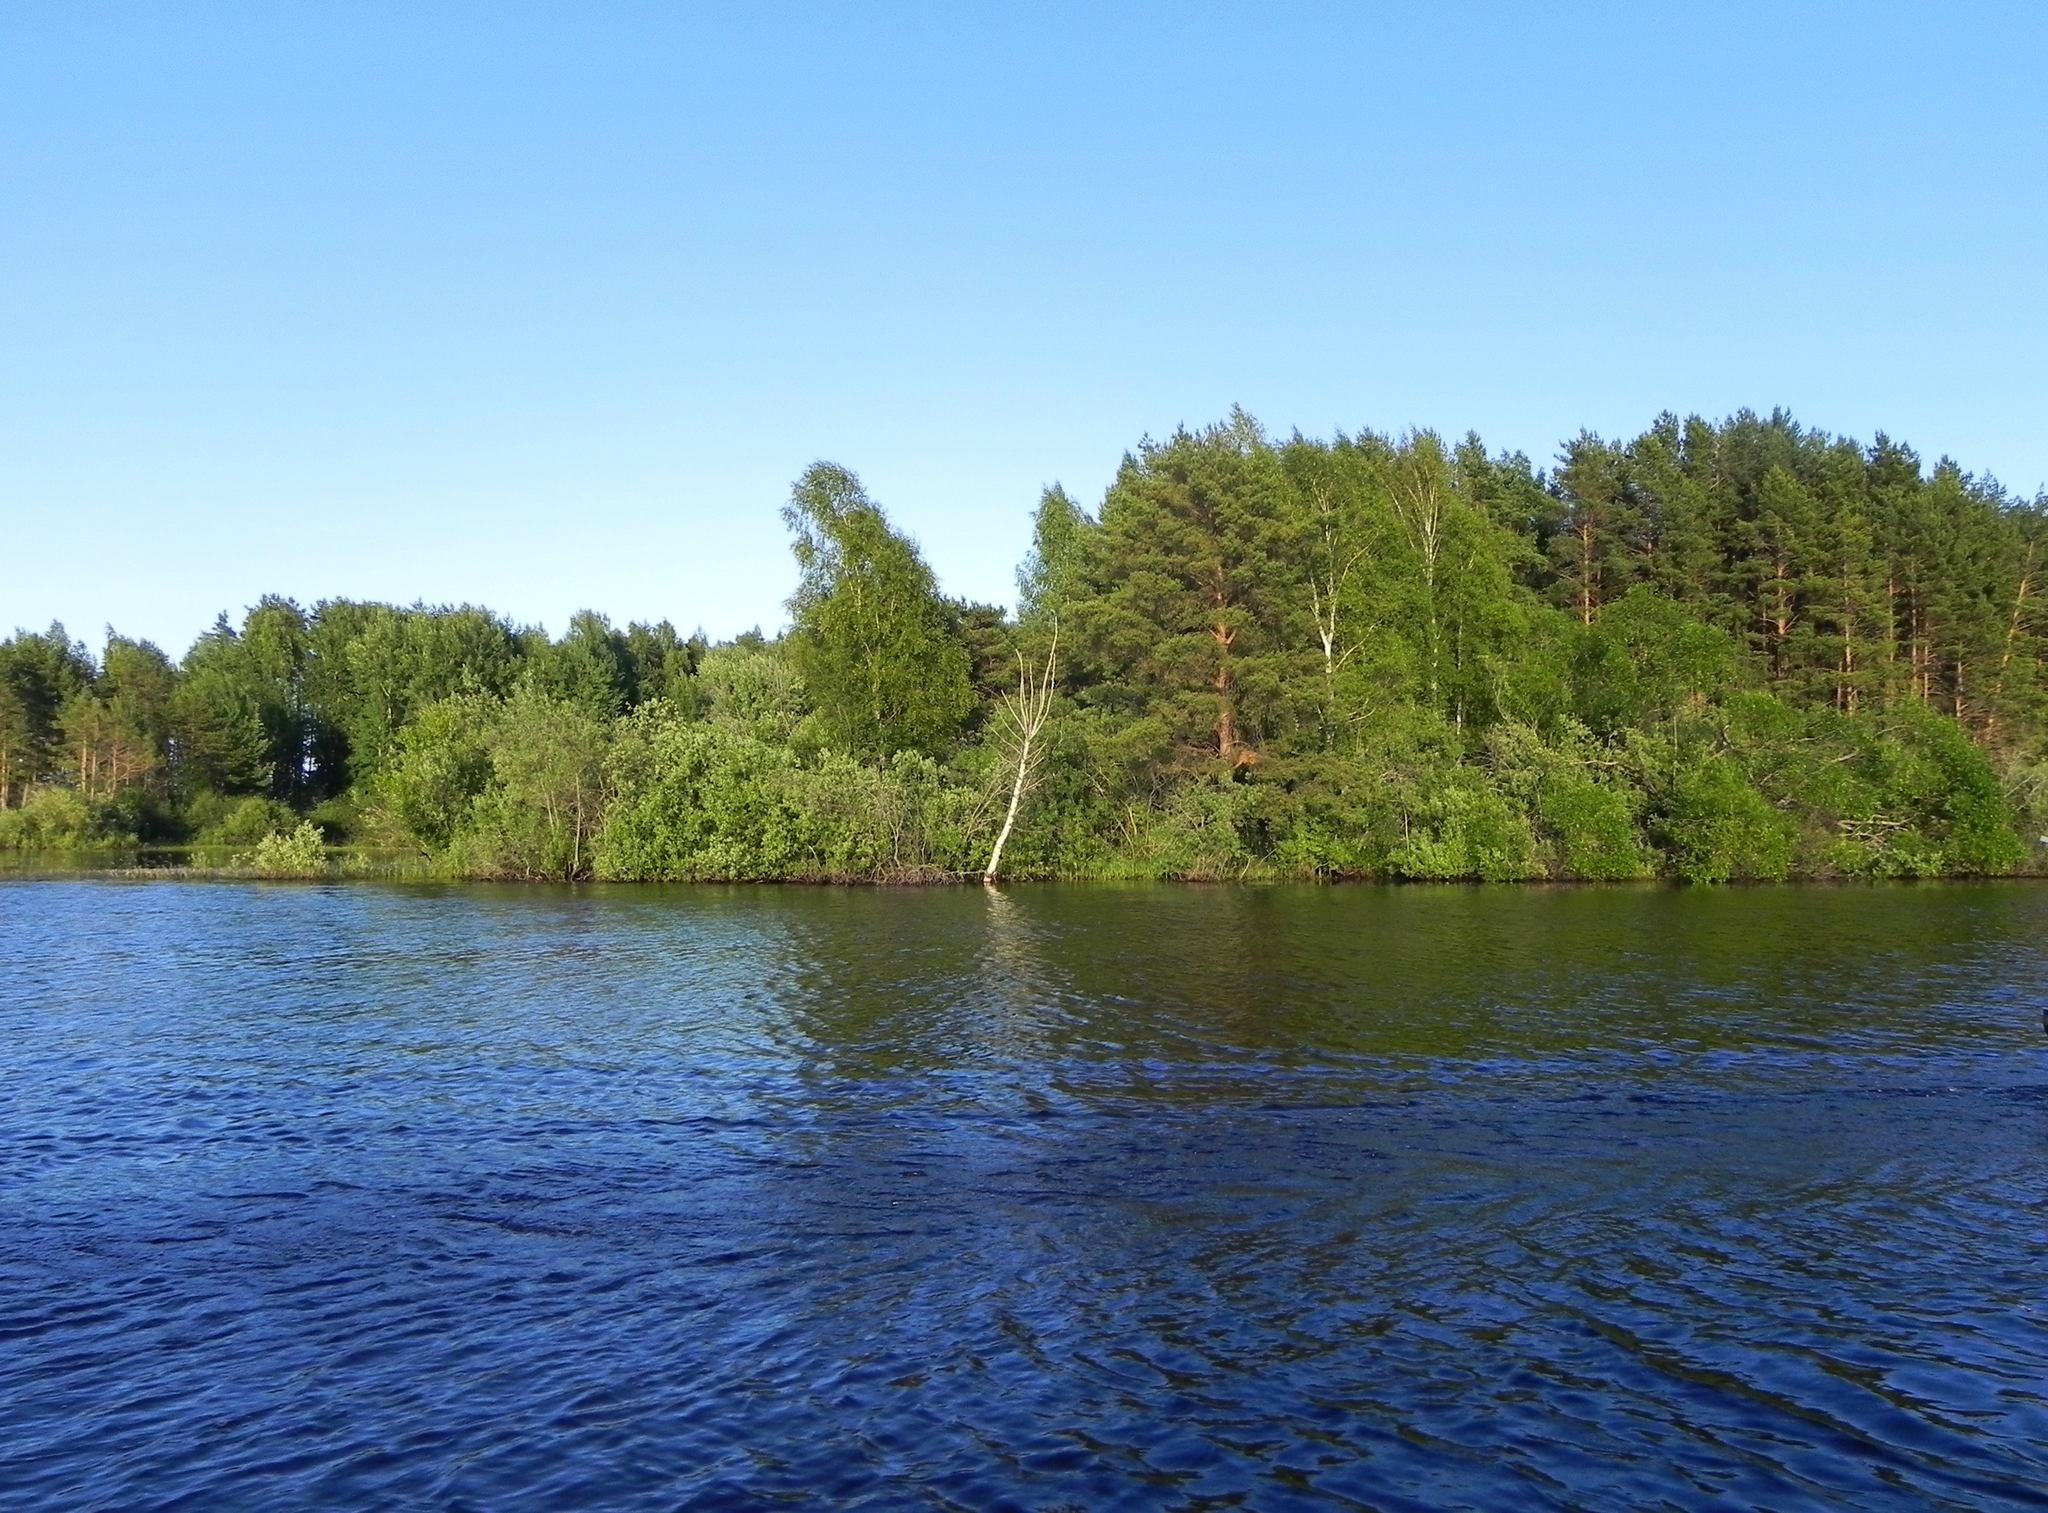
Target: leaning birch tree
(1025,713)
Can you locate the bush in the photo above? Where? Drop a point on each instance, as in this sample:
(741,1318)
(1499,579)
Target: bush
(1585,808)
(1904,793)
(709,800)
(1197,835)
(540,814)
(436,768)
(52,818)
(245,821)
(753,688)
(1592,826)
(1644,658)
(701,801)
(1324,841)
(1720,828)
(1466,828)
(1971,819)
(2026,792)
(302,853)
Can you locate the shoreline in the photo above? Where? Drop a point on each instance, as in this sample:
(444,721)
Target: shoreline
(356,870)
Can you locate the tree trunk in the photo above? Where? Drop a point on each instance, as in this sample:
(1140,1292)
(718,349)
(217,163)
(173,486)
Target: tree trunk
(995,857)
(1033,706)
(1228,744)
(1585,572)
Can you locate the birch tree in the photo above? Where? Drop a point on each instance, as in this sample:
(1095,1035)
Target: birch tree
(1024,714)
(872,639)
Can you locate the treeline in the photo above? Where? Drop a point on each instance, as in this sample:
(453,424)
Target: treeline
(1743,650)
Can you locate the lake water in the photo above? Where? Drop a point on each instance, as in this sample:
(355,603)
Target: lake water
(504,1199)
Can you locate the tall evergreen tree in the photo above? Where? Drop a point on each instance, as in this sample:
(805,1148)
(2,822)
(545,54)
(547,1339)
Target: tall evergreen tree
(39,675)
(1181,628)
(1602,545)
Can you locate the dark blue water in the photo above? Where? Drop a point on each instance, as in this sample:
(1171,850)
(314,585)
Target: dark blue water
(365,1197)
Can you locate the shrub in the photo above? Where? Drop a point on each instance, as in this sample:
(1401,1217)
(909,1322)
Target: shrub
(53,818)
(1467,828)
(2026,791)
(1592,826)
(753,688)
(1197,835)
(701,801)
(709,800)
(437,767)
(1721,828)
(302,853)
(1585,810)
(246,822)
(541,812)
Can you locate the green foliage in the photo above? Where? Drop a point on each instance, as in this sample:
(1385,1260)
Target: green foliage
(1179,607)
(1592,826)
(1644,659)
(871,638)
(1197,834)
(2026,794)
(438,766)
(39,675)
(1464,827)
(1966,812)
(241,821)
(1715,652)
(53,818)
(1050,579)
(662,665)
(300,853)
(591,666)
(538,815)
(374,667)
(1344,818)
(712,800)
(753,686)
(1719,828)
(693,801)
(1585,811)
(220,745)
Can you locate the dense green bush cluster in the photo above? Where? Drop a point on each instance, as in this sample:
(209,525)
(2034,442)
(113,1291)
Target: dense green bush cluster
(1714,653)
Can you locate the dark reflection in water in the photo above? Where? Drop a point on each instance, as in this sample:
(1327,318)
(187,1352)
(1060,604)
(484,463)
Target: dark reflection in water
(1066,1198)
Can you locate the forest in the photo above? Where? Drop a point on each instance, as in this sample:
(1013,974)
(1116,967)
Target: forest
(1716,652)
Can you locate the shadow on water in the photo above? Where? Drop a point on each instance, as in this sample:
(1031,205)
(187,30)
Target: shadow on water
(1048,1197)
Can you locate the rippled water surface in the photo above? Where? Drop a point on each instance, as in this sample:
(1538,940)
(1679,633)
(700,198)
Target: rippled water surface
(368,1197)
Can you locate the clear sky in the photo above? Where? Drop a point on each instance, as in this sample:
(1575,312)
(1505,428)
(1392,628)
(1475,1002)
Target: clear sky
(544,306)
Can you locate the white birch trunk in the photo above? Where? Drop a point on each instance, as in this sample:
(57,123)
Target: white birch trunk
(1033,704)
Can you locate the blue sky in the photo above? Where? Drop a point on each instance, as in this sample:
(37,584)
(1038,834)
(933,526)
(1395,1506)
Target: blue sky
(543,307)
